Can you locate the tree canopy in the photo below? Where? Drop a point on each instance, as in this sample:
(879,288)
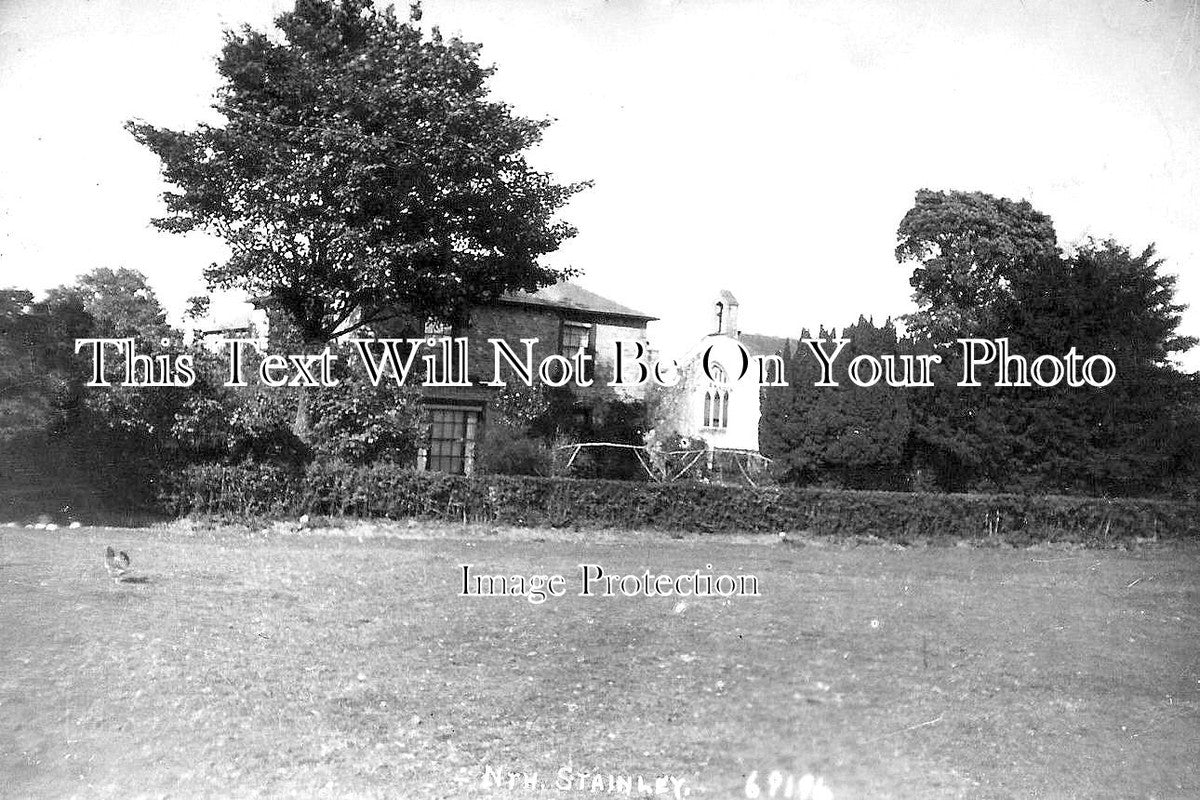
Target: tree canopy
(36,360)
(362,172)
(847,436)
(968,248)
(120,302)
(990,267)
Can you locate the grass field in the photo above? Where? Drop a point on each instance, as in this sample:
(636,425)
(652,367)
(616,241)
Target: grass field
(345,664)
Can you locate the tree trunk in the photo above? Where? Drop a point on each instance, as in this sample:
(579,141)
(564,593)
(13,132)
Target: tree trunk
(301,425)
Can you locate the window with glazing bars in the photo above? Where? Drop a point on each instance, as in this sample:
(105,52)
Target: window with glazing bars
(575,337)
(450,431)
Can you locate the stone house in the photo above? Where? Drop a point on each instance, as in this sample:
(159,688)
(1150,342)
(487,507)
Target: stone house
(564,319)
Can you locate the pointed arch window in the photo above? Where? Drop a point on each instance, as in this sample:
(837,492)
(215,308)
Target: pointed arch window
(716,400)
(716,408)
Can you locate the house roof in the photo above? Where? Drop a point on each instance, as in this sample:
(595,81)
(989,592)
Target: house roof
(573,296)
(755,344)
(760,344)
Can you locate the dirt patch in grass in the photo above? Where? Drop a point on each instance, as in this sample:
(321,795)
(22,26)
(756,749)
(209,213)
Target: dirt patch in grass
(343,662)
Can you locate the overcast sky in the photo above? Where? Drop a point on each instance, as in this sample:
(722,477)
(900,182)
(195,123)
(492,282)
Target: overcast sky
(769,148)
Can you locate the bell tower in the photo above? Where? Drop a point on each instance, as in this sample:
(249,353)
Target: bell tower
(725,312)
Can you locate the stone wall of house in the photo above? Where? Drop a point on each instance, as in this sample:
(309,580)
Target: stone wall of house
(607,337)
(512,324)
(515,322)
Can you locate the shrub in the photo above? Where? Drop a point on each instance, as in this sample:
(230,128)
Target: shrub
(384,490)
(506,450)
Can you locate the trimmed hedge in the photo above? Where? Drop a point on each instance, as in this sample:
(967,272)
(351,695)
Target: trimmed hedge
(388,491)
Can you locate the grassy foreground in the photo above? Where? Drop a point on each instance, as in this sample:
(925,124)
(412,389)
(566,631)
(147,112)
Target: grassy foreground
(346,665)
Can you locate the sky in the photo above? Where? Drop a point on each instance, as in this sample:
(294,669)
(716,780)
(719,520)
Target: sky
(766,147)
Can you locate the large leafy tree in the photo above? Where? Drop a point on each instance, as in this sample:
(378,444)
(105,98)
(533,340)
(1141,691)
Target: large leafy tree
(967,250)
(1139,434)
(120,302)
(64,444)
(362,172)
(39,384)
(1103,298)
(847,436)
(968,247)
(986,266)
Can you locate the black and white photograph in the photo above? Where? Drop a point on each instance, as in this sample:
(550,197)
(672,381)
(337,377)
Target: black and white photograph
(560,399)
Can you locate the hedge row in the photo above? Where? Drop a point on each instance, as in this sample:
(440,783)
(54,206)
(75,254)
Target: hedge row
(390,492)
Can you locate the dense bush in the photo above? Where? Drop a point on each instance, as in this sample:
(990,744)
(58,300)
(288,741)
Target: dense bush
(530,429)
(506,450)
(390,492)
